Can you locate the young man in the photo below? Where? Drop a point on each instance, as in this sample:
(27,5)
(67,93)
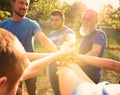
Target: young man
(73,80)
(93,42)
(25,29)
(14,60)
(61,34)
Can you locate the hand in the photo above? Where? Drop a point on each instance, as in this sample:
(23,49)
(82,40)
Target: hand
(66,48)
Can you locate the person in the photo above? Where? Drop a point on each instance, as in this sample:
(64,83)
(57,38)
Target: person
(25,29)
(12,63)
(74,81)
(93,42)
(60,35)
(15,65)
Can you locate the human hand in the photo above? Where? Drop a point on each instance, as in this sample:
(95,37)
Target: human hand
(67,49)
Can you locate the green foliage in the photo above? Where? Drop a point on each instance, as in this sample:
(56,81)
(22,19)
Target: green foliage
(112,52)
(42,8)
(110,17)
(5,5)
(5,9)
(74,14)
(4,15)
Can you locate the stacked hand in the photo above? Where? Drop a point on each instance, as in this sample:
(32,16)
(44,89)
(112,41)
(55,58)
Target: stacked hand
(66,48)
(67,54)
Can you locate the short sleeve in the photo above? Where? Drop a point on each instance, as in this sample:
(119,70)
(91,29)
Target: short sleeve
(36,27)
(100,38)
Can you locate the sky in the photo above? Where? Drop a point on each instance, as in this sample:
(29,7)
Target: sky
(96,4)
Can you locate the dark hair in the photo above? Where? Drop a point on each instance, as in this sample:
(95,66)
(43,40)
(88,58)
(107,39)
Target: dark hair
(12,0)
(59,13)
(12,60)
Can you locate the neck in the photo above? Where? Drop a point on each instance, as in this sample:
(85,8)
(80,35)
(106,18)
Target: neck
(61,28)
(16,17)
(8,92)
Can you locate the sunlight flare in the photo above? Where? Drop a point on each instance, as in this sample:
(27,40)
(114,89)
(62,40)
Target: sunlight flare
(97,5)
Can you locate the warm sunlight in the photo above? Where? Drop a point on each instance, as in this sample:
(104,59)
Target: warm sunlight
(99,4)
(69,1)
(96,4)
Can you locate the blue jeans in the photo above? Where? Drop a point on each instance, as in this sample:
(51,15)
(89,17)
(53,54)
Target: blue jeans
(53,77)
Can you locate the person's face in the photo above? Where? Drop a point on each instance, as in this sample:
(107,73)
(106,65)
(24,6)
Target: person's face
(88,23)
(89,19)
(56,21)
(20,7)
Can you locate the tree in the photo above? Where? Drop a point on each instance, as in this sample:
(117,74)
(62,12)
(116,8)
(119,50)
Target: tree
(42,8)
(5,5)
(111,17)
(4,15)
(5,9)
(74,13)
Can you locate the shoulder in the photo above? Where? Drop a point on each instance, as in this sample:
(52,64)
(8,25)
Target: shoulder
(28,20)
(5,21)
(99,34)
(68,30)
(33,24)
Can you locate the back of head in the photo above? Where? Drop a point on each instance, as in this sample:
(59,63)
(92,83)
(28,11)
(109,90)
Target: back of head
(59,13)
(12,60)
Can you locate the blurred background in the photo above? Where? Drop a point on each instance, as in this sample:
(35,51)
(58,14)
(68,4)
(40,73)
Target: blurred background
(109,22)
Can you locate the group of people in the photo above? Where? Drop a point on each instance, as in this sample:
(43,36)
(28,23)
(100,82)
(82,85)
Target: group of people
(74,77)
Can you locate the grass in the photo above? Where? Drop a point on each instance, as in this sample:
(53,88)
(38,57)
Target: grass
(112,52)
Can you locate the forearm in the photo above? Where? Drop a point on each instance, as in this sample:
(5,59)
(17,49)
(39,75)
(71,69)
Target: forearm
(48,45)
(99,62)
(95,50)
(36,66)
(34,56)
(93,53)
(46,42)
(67,74)
(95,61)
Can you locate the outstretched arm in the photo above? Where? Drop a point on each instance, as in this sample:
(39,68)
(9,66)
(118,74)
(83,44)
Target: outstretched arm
(36,66)
(70,77)
(45,42)
(99,62)
(34,56)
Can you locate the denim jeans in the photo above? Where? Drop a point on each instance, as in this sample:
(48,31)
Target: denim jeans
(54,78)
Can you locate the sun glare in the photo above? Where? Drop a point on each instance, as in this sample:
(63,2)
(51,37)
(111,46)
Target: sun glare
(70,1)
(97,5)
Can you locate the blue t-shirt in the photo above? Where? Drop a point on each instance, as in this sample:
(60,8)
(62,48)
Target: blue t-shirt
(86,44)
(103,88)
(58,38)
(24,30)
